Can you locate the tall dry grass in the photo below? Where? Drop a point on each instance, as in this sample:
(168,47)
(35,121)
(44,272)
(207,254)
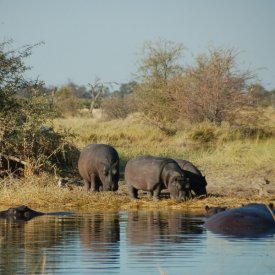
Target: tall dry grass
(204,144)
(228,160)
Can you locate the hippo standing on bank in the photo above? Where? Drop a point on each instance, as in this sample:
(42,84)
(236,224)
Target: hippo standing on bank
(98,165)
(153,174)
(194,177)
(251,220)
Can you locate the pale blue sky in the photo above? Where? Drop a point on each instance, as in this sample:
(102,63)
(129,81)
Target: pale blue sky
(85,39)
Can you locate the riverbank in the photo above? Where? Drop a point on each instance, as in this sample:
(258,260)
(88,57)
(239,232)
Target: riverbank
(42,193)
(239,169)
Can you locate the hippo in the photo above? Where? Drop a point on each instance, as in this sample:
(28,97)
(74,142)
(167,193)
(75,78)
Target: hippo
(98,165)
(24,213)
(251,220)
(150,173)
(210,211)
(194,176)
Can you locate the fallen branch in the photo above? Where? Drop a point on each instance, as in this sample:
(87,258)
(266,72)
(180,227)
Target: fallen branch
(16,159)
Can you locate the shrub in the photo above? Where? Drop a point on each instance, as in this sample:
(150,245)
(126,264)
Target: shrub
(115,107)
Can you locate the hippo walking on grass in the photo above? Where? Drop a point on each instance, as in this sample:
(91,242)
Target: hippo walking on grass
(251,220)
(98,165)
(194,177)
(153,174)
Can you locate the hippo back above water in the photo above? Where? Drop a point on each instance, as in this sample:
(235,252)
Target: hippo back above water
(251,220)
(194,177)
(98,165)
(23,213)
(153,174)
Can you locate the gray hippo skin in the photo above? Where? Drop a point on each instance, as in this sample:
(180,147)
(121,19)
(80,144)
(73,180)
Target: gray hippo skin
(21,212)
(194,177)
(210,211)
(251,220)
(98,165)
(24,213)
(149,173)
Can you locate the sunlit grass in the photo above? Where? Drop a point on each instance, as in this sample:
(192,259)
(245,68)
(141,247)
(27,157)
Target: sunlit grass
(42,193)
(226,160)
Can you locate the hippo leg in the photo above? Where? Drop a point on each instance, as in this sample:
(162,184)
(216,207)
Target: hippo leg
(150,194)
(94,184)
(87,185)
(156,193)
(133,192)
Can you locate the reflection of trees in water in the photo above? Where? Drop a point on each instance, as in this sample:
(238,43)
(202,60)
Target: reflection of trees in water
(100,234)
(149,227)
(22,245)
(153,235)
(99,230)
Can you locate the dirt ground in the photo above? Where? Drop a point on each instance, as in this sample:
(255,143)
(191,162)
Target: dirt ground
(257,183)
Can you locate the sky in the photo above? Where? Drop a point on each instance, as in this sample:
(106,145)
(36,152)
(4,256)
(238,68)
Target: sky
(89,39)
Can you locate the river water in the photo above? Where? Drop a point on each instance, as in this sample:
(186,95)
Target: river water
(132,243)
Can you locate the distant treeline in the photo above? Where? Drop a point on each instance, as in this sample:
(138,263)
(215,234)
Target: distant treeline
(164,93)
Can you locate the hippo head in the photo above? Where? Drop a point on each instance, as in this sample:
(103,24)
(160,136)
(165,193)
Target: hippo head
(109,177)
(197,183)
(22,212)
(179,188)
(210,211)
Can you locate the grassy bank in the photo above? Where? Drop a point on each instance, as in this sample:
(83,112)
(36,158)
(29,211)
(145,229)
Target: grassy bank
(42,193)
(238,169)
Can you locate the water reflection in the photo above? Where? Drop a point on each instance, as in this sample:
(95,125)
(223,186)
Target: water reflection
(23,244)
(149,227)
(155,236)
(126,242)
(99,238)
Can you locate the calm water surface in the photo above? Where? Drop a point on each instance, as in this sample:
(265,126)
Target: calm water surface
(128,243)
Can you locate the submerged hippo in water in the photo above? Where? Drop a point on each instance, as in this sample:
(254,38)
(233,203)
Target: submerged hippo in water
(98,165)
(153,174)
(24,213)
(194,177)
(251,220)
(210,211)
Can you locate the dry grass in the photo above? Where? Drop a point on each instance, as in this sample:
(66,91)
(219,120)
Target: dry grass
(237,170)
(42,193)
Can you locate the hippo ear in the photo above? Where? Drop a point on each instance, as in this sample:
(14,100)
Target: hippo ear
(207,207)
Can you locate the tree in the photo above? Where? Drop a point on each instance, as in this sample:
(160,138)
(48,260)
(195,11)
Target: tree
(97,91)
(158,65)
(214,89)
(25,140)
(260,96)
(66,101)
(12,69)
(125,89)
